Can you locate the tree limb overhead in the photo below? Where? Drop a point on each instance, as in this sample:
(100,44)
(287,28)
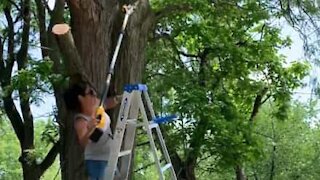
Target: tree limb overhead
(68,49)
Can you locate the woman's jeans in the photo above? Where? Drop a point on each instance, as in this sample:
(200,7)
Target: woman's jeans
(96,169)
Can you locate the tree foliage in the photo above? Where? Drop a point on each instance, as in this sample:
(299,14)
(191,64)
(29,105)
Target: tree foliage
(10,166)
(218,66)
(24,77)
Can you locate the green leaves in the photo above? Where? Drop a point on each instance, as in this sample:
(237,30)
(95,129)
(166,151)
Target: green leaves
(216,66)
(50,135)
(294,141)
(10,167)
(37,77)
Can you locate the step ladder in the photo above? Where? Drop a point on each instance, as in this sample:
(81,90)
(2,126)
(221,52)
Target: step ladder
(132,115)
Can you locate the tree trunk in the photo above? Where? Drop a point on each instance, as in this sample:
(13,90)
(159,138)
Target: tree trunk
(95,28)
(183,170)
(30,171)
(273,155)
(240,174)
(188,172)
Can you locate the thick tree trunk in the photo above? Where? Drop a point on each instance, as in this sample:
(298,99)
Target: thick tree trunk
(95,28)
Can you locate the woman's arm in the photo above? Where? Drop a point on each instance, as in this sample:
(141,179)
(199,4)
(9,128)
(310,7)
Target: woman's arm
(84,130)
(112,102)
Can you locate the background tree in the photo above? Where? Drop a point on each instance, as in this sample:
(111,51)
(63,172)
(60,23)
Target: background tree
(290,144)
(22,78)
(225,72)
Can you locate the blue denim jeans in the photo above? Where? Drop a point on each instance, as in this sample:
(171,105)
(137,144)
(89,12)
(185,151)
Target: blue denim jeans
(96,169)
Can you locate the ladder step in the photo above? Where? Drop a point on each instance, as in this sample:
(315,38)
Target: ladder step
(140,125)
(124,153)
(153,125)
(167,166)
(131,121)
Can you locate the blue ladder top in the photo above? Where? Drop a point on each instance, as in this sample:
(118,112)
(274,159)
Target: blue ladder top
(160,120)
(131,87)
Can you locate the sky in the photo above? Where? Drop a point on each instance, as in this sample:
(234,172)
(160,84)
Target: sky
(296,53)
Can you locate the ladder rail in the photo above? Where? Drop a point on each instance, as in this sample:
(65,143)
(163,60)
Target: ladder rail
(149,104)
(129,139)
(151,140)
(166,153)
(118,136)
(160,136)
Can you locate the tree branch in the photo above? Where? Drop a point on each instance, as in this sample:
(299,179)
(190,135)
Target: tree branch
(45,4)
(172,9)
(15,5)
(50,158)
(41,14)
(188,55)
(266,99)
(54,53)
(14,117)
(261,134)
(23,51)
(24,94)
(174,47)
(10,59)
(287,12)
(68,49)
(152,75)
(257,103)
(1,59)
(7,66)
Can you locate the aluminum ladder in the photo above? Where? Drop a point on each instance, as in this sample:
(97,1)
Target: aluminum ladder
(133,114)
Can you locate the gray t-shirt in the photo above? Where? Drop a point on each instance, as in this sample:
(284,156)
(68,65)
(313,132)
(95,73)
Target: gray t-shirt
(98,150)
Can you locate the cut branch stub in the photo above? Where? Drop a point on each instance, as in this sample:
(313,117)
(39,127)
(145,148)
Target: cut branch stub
(72,60)
(60,29)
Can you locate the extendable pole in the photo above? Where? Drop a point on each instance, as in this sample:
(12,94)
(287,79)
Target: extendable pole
(129,10)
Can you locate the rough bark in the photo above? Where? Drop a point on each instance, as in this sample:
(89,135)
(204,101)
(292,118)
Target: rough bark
(95,28)
(69,51)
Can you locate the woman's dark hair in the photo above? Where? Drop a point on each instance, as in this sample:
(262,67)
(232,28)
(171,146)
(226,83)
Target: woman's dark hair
(71,96)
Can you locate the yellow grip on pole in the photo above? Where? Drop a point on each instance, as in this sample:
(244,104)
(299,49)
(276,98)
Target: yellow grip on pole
(101,117)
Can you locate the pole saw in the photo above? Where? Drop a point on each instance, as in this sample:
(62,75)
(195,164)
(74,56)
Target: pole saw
(95,136)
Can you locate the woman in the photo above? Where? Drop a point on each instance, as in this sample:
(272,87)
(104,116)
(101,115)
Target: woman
(82,100)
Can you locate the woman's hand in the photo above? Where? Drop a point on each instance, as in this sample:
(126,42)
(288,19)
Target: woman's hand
(118,98)
(112,102)
(91,125)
